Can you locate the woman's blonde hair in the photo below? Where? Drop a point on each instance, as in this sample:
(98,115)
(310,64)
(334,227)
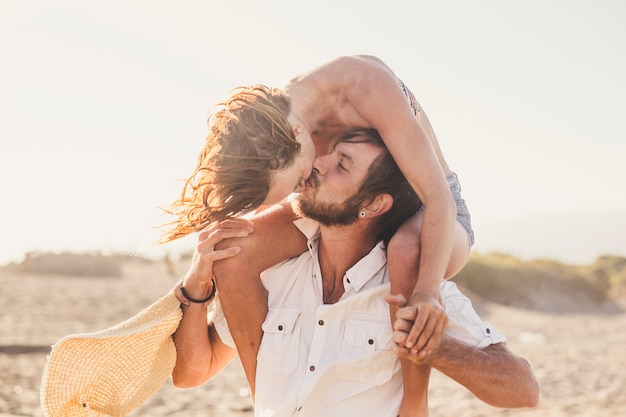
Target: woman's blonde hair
(249,137)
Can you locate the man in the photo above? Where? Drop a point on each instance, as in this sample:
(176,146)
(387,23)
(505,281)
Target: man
(327,343)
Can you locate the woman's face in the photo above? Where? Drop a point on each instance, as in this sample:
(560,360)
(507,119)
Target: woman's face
(291,179)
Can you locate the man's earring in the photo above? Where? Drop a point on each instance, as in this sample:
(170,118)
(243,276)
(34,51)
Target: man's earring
(362,214)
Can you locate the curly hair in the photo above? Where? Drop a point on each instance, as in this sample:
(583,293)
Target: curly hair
(249,138)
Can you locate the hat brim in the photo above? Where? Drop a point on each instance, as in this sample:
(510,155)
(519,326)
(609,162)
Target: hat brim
(111,372)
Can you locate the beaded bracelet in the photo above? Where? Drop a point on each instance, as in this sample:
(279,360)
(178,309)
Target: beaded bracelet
(194,300)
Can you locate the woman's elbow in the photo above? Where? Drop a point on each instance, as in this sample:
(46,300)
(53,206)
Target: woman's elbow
(182,379)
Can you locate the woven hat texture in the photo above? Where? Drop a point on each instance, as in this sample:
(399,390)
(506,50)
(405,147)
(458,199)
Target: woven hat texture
(111,372)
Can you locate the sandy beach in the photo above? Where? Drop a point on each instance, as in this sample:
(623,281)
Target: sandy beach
(579,358)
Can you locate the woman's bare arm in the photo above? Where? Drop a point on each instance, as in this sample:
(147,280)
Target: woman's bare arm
(200,354)
(376,96)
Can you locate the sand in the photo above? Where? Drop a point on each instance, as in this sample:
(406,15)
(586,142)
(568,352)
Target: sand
(579,359)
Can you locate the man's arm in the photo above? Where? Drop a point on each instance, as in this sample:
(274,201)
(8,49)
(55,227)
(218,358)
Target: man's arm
(493,374)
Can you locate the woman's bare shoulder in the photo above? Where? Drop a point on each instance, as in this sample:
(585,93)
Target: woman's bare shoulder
(341,72)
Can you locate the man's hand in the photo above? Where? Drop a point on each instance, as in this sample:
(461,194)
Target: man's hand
(418,327)
(493,373)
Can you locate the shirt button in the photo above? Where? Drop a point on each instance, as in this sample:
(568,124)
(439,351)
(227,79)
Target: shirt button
(280,327)
(370,341)
(488,331)
(321,322)
(348,280)
(311,368)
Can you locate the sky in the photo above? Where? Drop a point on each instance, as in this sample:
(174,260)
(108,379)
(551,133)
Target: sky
(103,109)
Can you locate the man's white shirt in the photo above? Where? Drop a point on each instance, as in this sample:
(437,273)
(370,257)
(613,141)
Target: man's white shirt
(329,360)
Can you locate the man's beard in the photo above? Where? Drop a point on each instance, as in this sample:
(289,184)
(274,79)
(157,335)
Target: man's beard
(328,214)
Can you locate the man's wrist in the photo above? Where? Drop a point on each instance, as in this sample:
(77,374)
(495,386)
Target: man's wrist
(445,353)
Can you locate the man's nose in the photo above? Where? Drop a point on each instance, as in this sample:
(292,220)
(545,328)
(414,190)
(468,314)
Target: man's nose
(319,163)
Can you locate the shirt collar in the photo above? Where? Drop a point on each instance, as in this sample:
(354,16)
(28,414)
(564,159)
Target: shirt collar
(361,272)
(367,267)
(309,227)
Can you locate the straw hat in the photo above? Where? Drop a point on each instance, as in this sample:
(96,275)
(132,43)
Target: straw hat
(110,372)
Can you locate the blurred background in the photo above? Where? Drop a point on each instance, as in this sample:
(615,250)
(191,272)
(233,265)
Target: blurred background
(103,109)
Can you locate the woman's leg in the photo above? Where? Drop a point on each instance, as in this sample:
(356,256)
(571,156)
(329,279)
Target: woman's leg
(242,295)
(403,255)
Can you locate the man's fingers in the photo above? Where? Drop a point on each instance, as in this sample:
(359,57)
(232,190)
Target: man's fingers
(407,313)
(404,353)
(433,327)
(431,336)
(418,327)
(404,326)
(395,300)
(399,337)
(424,336)
(432,342)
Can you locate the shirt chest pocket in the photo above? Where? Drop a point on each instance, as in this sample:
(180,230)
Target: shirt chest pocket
(281,340)
(366,354)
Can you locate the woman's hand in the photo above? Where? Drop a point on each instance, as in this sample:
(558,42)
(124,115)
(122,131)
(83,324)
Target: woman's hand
(198,279)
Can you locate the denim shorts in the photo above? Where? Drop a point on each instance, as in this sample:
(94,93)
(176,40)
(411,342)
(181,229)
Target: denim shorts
(462,213)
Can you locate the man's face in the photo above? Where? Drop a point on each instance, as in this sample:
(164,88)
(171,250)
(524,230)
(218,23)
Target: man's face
(336,178)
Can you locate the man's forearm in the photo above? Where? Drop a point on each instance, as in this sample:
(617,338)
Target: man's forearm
(493,374)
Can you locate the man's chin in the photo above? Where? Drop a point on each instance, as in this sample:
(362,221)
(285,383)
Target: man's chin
(304,206)
(296,206)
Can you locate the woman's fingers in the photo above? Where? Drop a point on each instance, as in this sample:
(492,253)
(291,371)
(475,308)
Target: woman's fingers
(215,255)
(205,255)
(227,229)
(234,223)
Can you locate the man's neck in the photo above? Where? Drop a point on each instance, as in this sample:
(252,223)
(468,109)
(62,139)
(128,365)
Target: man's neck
(341,248)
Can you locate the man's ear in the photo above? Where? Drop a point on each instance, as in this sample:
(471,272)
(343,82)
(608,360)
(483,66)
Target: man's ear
(381,205)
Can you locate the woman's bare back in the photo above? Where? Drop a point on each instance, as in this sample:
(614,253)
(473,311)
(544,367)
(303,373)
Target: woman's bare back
(324,100)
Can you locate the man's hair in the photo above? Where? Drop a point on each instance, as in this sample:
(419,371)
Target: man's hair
(249,138)
(384,177)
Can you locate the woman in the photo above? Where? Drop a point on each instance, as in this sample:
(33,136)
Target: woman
(260,149)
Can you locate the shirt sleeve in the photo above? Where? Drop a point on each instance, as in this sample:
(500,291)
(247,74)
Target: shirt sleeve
(464,323)
(219,321)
